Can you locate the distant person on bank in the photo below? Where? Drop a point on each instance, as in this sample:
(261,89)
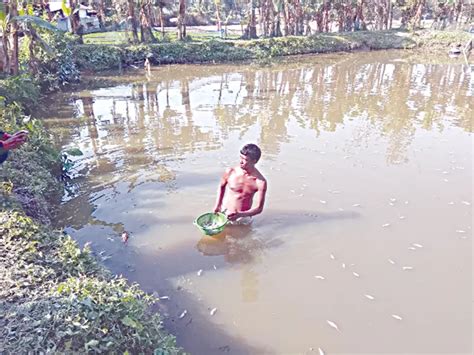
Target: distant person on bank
(11,141)
(239,185)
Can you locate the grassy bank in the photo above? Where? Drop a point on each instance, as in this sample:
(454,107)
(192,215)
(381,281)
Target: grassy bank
(95,56)
(55,297)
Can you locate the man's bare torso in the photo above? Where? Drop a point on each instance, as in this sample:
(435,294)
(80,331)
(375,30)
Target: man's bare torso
(240,190)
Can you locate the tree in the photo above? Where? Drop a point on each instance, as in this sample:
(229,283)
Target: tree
(182,20)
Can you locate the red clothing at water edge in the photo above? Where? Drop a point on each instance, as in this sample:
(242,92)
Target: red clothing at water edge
(240,184)
(8,142)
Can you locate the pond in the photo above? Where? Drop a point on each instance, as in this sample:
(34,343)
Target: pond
(365,242)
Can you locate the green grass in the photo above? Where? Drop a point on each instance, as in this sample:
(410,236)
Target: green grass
(122,37)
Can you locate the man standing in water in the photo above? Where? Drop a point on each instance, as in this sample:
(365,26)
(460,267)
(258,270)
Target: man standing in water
(239,185)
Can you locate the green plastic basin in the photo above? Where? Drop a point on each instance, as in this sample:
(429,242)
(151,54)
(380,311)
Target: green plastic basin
(211,223)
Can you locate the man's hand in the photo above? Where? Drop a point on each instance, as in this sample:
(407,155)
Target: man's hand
(233,216)
(217,209)
(13,142)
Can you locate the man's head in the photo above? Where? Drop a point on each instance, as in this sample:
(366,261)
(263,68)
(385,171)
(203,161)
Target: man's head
(249,156)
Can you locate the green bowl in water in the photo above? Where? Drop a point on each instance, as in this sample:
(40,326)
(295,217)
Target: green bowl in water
(211,223)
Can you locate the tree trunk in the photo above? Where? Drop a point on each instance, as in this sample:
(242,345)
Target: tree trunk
(162,22)
(252,26)
(326,16)
(101,13)
(14,28)
(32,63)
(217,3)
(182,20)
(133,20)
(149,21)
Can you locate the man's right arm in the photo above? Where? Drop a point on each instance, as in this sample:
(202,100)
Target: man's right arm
(221,190)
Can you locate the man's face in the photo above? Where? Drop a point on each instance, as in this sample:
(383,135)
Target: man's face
(246,162)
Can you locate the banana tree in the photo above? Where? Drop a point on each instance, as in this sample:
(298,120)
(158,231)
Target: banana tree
(29,25)
(13,21)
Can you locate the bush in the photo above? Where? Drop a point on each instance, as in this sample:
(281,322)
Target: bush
(22,90)
(60,300)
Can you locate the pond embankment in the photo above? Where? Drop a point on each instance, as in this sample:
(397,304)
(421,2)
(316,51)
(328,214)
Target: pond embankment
(108,57)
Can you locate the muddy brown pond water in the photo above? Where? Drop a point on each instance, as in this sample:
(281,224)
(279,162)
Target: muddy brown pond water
(365,243)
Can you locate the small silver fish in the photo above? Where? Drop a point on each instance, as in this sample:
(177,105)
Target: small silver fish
(391,261)
(332,257)
(386,225)
(125,237)
(417,245)
(164,298)
(319,277)
(321,352)
(322,201)
(466,203)
(451,203)
(412,248)
(334,325)
(460,231)
(370,297)
(393,200)
(396,316)
(407,268)
(343,265)
(214,266)
(356,205)
(445,180)
(199,273)
(355,274)
(213,311)
(181,316)
(402,217)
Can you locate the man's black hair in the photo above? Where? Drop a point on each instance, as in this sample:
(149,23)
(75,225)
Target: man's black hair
(252,151)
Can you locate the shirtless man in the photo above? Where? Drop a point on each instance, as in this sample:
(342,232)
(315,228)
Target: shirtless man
(240,184)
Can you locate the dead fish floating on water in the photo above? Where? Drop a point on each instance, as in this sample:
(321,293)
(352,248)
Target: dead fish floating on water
(407,268)
(333,325)
(323,202)
(332,257)
(213,311)
(355,274)
(411,248)
(391,261)
(356,205)
(164,298)
(319,277)
(460,231)
(402,217)
(199,273)
(417,245)
(396,316)
(181,316)
(386,225)
(125,237)
(321,352)
(370,297)
(466,203)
